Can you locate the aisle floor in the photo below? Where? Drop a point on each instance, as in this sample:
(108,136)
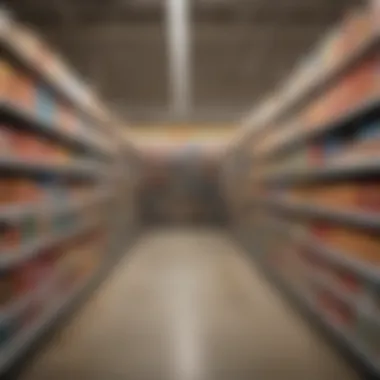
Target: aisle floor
(187,304)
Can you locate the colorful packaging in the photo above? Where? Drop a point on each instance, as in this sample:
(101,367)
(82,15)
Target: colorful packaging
(26,92)
(10,236)
(5,141)
(45,104)
(6,79)
(358,28)
(357,244)
(66,118)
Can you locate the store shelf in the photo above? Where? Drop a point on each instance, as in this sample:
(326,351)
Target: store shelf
(340,334)
(364,270)
(16,212)
(364,111)
(9,46)
(12,111)
(342,295)
(75,169)
(362,308)
(363,220)
(22,342)
(17,307)
(14,310)
(321,82)
(333,170)
(36,247)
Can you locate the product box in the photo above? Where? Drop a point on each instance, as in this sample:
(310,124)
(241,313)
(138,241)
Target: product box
(336,310)
(67,118)
(6,79)
(361,83)
(369,197)
(15,92)
(45,105)
(10,236)
(31,275)
(7,290)
(22,190)
(358,28)
(22,91)
(5,141)
(335,196)
(27,146)
(357,244)
(348,282)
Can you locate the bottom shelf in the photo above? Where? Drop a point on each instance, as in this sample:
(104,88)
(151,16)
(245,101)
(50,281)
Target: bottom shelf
(26,337)
(339,334)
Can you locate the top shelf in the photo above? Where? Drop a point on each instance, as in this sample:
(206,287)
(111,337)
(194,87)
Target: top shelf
(320,82)
(54,74)
(288,105)
(369,109)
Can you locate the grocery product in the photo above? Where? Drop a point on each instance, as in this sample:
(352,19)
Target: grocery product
(45,204)
(336,310)
(361,245)
(66,118)
(10,236)
(6,288)
(45,104)
(359,26)
(6,77)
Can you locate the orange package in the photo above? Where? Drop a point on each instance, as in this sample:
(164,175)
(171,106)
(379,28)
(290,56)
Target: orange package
(66,118)
(339,196)
(15,88)
(362,83)
(6,134)
(27,93)
(26,191)
(357,244)
(10,236)
(368,197)
(359,26)
(6,77)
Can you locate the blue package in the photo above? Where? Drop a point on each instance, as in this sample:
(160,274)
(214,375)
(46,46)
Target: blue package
(45,104)
(331,146)
(369,131)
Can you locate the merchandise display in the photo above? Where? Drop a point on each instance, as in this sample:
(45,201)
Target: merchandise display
(313,180)
(62,226)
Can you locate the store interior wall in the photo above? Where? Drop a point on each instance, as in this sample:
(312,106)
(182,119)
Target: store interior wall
(181,188)
(180,180)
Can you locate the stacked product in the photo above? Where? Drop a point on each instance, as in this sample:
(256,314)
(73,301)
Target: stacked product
(59,162)
(315,186)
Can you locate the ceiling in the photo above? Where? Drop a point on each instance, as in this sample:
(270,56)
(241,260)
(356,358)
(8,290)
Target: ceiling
(239,49)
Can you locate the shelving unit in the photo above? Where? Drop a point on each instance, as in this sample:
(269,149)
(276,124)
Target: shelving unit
(308,203)
(66,196)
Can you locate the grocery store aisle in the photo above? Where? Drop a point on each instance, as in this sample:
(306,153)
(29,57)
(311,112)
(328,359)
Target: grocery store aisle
(185,305)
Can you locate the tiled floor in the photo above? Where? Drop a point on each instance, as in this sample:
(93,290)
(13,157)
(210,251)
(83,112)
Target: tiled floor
(186,304)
